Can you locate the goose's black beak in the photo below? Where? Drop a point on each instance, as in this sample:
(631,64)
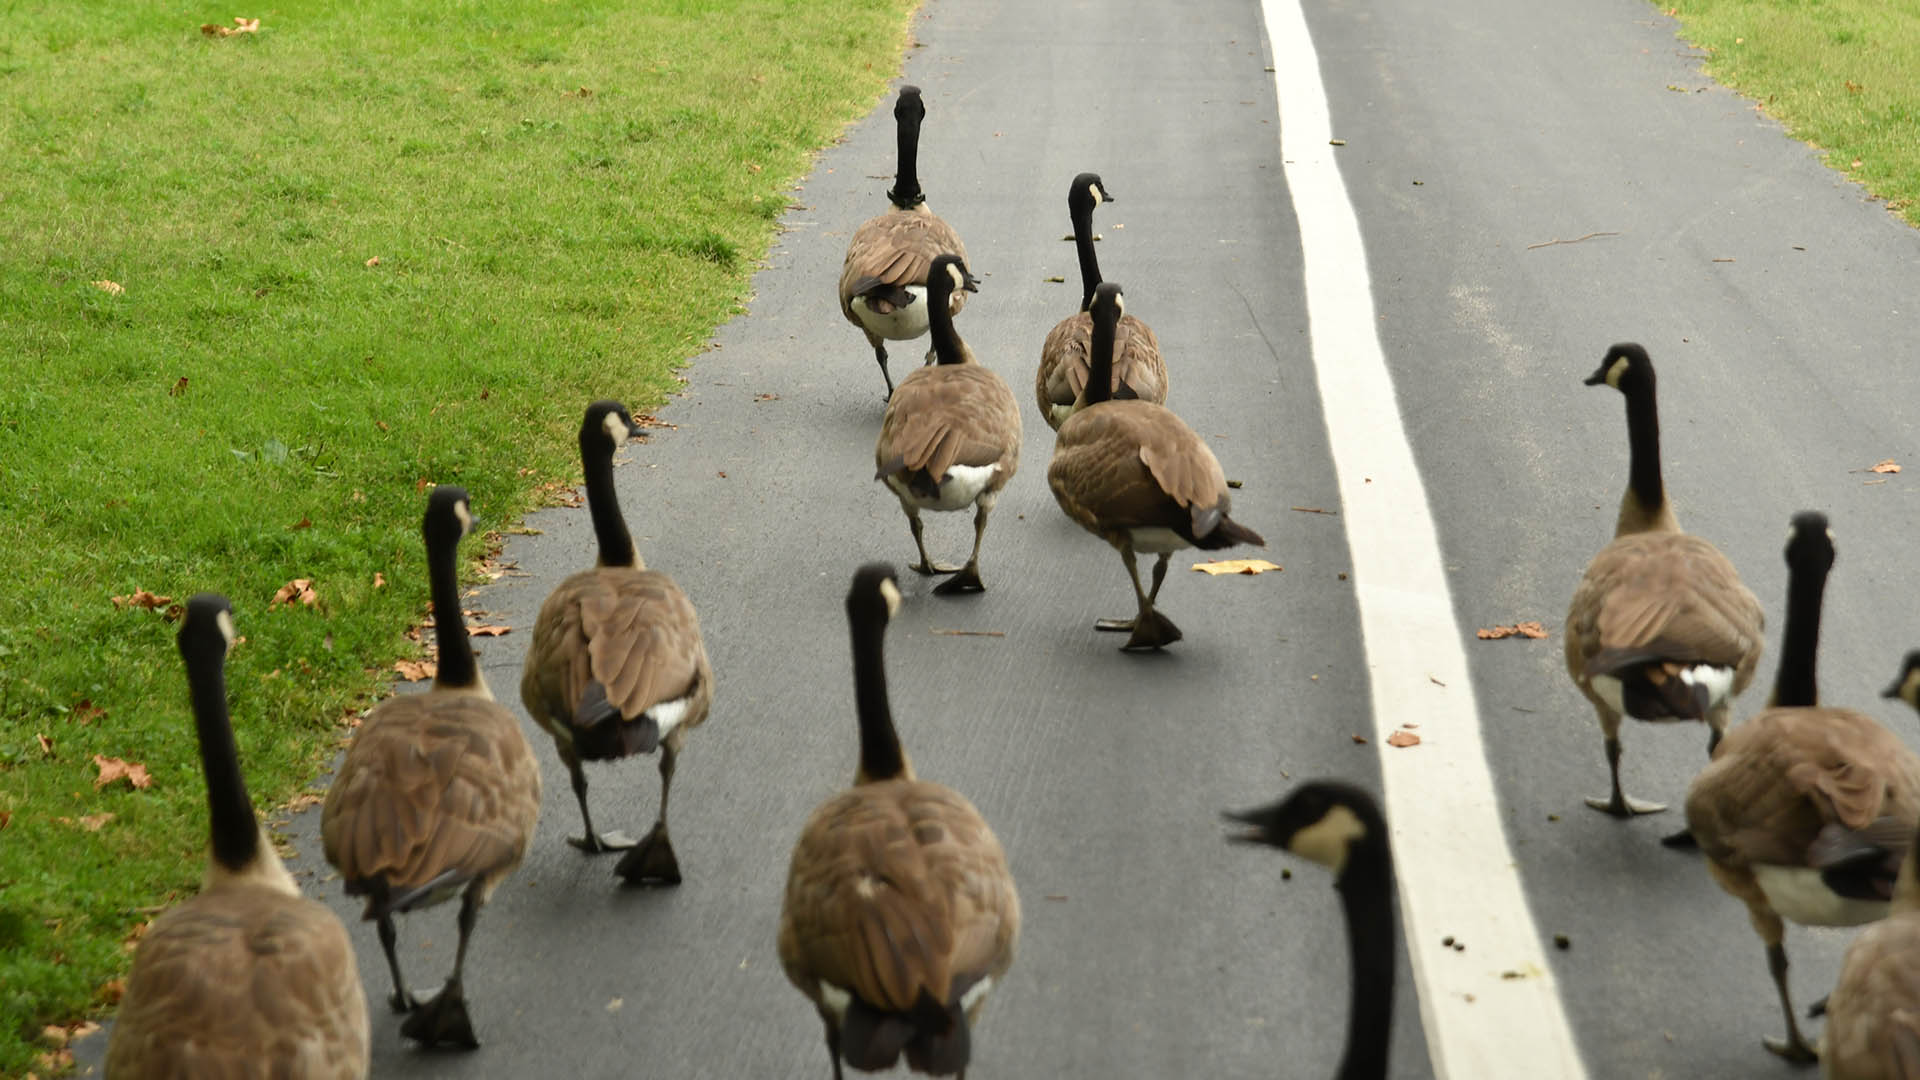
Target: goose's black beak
(1253,833)
(1598,378)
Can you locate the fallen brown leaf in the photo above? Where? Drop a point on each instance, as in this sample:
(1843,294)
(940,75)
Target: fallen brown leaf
(1235,566)
(112,769)
(241,26)
(113,990)
(1361,739)
(1403,738)
(141,598)
(6,818)
(111,288)
(379,580)
(96,822)
(488,630)
(178,387)
(46,746)
(303,523)
(766,397)
(373,262)
(415,670)
(299,589)
(1887,466)
(650,420)
(86,712)
(1530,629)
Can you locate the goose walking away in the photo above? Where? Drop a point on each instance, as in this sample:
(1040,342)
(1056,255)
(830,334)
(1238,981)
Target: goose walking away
(437,796)
(1060,383)
(249,978)
(883,281)
(1805,809)
(900,914)
(617,666)
(1660,628)
(1340,827)
(950,438)
(1873,1014)
(1135,475)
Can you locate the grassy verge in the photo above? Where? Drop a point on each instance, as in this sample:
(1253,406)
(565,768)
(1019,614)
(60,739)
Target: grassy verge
(1838,73)
(259,291)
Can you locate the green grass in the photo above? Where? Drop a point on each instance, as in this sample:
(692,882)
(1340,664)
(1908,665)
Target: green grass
(564,199)
(1838,73)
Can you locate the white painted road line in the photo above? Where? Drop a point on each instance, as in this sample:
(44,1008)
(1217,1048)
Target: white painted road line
(1492,1011)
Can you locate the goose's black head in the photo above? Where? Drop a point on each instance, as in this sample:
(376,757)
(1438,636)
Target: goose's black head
(1322,820)
(1108,301)
(1907,687)
(1626,368)
(1810,544)
(606,428)
(448,515)
(949,275)
(874,596)
(1086,193)
(207,627)
(908,108)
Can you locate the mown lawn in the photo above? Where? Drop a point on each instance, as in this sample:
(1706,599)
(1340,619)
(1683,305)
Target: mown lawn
(258,291)
(1841,74)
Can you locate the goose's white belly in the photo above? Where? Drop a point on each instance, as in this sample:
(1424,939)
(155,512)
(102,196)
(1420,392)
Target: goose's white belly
(900,324)
(1157,540)
(1798,894)
(668,714)
(963,486)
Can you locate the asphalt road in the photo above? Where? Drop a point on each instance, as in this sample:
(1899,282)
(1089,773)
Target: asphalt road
(1776,299)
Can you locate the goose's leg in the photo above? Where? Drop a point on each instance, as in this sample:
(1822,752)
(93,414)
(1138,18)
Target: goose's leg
(968,580)
(926,565)
(592,843)
(652,860)
(1794,1047)
(880,357)
(400,999)
(1717,719)
(1148,629)
(833,1049)
(444,1019)
(1620,805)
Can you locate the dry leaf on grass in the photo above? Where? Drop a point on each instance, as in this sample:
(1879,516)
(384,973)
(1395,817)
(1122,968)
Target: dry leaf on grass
(1530,629)
(46,746)
(1235,566)
(178,387)
(415,670)
(6,818)
(379,580)
(86,712)
(1403,738)
(141,598)
(112,991)
(298,590)
(488,630)
(303,523)
(91,823)
(373,262)
(112,769)
(111,288)
(240,26)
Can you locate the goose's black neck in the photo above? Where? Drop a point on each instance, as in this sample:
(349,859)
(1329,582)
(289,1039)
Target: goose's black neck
(1100,357)
(906,193)
(946,339)
(457,669)
(1795,684)
(880,755)
(1083,247)
(603,502)
(1366,894)
(1643,447)
(236,833)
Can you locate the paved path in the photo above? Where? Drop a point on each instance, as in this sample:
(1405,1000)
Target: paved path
(1778,302)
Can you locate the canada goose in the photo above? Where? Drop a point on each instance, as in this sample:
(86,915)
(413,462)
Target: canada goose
(438,793)
(1339,826)
(1661,627)
(900,914)
(249,978)
(883,282)
(1802,803)
(1138,370)
(951,434)
(1135,475)
(1873,1014)
(617,666)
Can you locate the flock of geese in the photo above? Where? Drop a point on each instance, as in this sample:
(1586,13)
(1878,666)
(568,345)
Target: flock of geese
(900,915)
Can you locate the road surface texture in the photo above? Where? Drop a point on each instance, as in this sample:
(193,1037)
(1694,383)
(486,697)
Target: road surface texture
(1777,301)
